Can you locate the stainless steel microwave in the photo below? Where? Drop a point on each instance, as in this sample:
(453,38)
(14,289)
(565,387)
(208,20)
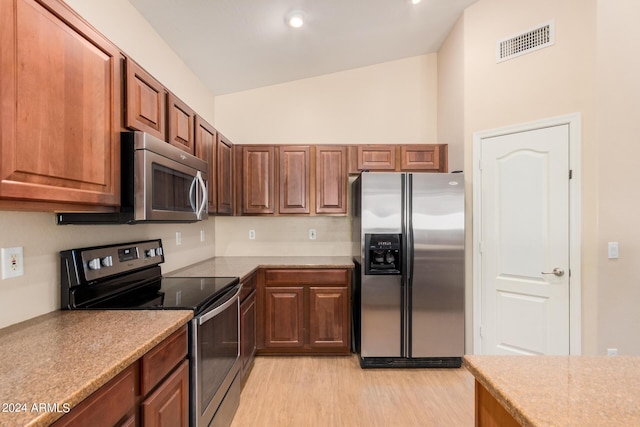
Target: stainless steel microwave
(159,183)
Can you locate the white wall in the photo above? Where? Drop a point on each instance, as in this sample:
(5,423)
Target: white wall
(393,102)
(37,292)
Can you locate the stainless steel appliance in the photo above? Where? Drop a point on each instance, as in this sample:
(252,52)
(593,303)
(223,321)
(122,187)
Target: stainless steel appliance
(127,276)
(158,182)
(409,295)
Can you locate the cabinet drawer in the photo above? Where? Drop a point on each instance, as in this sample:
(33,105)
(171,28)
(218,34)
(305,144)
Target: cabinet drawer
(160,361)
(107,406)
(307,277)
(168,406)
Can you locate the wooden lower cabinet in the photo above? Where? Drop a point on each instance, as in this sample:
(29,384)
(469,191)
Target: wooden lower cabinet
(159,379)
(168,405)
(305,311)
(489,412)
(247,333)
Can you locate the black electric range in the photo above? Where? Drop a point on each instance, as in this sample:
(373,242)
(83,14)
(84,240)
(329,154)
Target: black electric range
(128,276)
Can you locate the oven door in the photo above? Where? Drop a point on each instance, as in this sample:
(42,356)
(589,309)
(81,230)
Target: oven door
(215,385)
(167,190)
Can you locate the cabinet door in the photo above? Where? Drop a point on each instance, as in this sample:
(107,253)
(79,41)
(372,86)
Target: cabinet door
(247,332)
(258,164)
(294,176)
(225,175)
(376,157)
(205,141)
(168,406)
(284,315)
(331,180)
(180,124)
(146,101)
(60,117)
(329,317)
(420,157)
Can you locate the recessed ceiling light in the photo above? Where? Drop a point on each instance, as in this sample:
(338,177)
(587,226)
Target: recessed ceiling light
(415,1)
(295,19)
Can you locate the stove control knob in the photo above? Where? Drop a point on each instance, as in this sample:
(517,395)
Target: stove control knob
(107,261)
(151,253)
(94,264)
(159,251)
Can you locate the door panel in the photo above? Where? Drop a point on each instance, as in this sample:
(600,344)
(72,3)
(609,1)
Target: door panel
(381,295)
(525,232)
(437,299)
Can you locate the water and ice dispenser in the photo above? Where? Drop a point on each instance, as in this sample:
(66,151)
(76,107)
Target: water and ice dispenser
(383,254)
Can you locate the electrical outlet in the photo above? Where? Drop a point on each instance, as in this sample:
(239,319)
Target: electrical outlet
(612,352)
(202,235)
(178,238)
(12,262)
(252,234)
(312,234)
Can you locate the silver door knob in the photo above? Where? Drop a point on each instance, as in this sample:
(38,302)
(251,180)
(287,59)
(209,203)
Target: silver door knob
(557,271)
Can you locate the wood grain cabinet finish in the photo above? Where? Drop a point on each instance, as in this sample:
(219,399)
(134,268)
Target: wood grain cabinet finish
(284,312)
(329,317)
(162,359)
(295,179)
(168,405)
(226,183)
(376,157)
(112,405)
(145,102)
(306,311)
(420,157)
(331,180)
(180,124)
(60,91)
(205,145)
(247,333)
(258,179)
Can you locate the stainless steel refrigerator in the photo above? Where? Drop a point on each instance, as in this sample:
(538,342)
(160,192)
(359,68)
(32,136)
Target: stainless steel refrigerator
(409,290)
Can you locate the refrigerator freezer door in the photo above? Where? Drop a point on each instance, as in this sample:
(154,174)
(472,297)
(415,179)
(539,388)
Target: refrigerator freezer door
(381,302)
(437,293)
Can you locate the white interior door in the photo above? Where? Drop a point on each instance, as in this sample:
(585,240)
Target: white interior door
(525,242)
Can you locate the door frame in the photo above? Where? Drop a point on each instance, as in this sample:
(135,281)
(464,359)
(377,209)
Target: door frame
(575,223)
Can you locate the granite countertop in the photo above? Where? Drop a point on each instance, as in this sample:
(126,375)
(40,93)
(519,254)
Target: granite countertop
(243,266)
(563,390)
(64,356)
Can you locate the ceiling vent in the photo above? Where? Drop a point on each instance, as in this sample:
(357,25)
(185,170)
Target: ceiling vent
(529,41)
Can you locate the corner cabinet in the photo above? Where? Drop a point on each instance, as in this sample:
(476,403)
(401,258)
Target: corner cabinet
(60,93)
(225,176)
(304,311)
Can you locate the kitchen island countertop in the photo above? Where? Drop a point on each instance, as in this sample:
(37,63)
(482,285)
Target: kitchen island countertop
(243,266)
(60,358)
(562,390)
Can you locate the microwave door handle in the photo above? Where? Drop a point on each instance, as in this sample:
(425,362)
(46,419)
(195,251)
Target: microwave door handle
(203,187)
(192,194)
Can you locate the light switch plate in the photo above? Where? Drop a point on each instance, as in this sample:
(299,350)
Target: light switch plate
(12,262)
(613,251)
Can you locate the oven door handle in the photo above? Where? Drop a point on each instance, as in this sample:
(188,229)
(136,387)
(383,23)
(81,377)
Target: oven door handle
(208,315)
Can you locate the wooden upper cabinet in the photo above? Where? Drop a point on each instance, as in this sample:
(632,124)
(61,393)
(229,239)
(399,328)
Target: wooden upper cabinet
(145,103)
(331,180)
(180,124)
(225,184)
(205,145)
(376,157)
(258,179)
(60,89)
(420,157)
(294,174)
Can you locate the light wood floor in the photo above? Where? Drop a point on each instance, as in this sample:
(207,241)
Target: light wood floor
(334,391)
